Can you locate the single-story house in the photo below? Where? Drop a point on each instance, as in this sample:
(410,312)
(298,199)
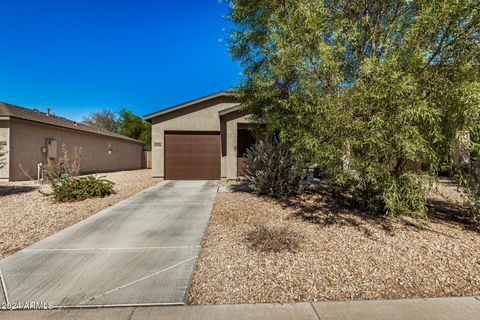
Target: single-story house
(31,137)
(205,138)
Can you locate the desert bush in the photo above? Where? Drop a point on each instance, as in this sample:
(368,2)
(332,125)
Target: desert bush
(273,238)
(272,170)
(75,189)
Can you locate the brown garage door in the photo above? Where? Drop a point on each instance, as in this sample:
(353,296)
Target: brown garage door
(192,155)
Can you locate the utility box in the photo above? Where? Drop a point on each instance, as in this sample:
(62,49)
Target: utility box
(52,148)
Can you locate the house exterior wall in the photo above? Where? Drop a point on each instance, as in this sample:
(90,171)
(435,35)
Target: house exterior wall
(27,139)
(5,142)
(203,116)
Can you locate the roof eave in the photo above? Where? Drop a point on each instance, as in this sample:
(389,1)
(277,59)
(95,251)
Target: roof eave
(117,137)
(150,116)
(223,112)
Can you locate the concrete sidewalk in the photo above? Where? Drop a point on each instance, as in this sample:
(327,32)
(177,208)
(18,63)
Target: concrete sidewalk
(462,308)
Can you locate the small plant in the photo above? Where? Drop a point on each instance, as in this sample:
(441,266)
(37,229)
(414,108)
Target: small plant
(65,183)
(273,238)
(75,189)
(67,166)
(272,170)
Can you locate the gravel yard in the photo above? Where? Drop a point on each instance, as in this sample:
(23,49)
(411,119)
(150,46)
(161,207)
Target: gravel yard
(343,255)
(28,216)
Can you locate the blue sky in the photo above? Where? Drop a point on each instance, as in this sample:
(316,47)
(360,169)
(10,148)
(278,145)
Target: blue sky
(82,56)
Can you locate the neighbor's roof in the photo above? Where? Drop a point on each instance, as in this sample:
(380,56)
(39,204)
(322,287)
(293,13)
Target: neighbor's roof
(189,103)
(10,110)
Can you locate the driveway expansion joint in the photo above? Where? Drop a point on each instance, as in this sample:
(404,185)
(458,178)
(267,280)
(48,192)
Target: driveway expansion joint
(138,280)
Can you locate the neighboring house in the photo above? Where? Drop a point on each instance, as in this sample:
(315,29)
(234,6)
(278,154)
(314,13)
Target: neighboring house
(33,137)
(201,139)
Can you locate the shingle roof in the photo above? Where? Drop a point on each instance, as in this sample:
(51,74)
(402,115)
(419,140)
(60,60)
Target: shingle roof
(10,110)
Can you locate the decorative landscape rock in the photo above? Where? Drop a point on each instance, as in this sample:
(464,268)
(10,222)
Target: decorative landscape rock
(344,255)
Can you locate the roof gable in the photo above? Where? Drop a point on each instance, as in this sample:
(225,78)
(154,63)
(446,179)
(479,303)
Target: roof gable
(150,116)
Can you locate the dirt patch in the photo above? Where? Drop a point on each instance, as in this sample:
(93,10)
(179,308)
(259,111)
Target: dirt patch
(344,254)
(28,216)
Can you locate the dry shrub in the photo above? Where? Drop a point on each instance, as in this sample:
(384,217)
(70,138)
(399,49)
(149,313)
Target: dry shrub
(69,164)
(271,237)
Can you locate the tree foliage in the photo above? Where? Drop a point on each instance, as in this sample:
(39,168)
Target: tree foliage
(133,126)
(104,119)
(469,176)
(378,91)
(123,122)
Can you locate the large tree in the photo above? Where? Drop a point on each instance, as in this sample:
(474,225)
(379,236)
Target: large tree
(377,90)
(105,119)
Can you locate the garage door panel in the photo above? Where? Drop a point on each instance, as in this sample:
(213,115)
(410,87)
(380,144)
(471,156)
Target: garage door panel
(192,156)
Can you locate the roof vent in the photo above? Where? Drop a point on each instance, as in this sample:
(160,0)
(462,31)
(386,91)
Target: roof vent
(48,111)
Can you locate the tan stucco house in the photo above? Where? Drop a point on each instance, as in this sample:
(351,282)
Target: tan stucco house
(31,137)
(205,138)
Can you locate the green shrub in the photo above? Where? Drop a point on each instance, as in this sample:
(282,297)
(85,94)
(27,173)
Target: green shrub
(380,191)
(469,177)
(272,170)
(75,189)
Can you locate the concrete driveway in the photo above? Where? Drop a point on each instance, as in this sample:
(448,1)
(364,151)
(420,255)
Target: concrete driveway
(140,251)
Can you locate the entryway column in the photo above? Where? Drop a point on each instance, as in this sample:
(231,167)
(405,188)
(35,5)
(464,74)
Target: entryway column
(231,150)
